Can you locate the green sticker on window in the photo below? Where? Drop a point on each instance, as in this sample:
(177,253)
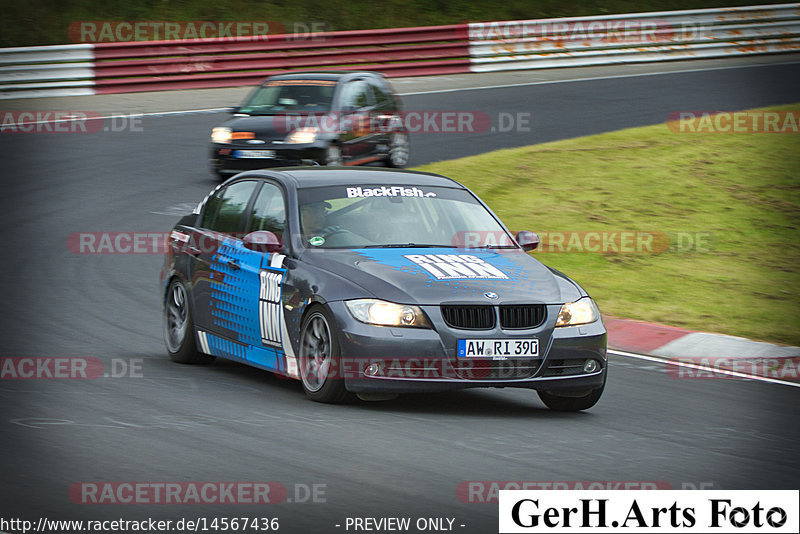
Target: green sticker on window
(317,241)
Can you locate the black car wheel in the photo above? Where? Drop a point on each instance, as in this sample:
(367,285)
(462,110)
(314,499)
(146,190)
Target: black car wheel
(333,155)
(563,403)
(398,150)
(319,358)
(179,328)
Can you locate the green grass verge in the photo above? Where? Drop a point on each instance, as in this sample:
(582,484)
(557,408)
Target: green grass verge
(741,192)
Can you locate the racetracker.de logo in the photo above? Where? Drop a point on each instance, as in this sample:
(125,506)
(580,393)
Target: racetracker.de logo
(411,121)
(50,368)
(68,368)
(727,368)
(609,31)
(474,368)
(597,241)
(121,31)
(67,122)
(488,491)
(177,493)
(122,242)
(734,122)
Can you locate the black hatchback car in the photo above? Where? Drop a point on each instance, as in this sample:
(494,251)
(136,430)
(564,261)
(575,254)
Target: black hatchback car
(313,118)
(367,281)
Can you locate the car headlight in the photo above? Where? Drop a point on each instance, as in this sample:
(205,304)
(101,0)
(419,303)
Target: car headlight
(303,135)
(583,311)
(380,312)
(221,134)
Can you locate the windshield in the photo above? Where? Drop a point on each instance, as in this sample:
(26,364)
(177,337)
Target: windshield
(284,96)
(397,216)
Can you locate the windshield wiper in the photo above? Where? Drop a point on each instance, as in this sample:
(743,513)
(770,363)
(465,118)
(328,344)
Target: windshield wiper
(492,247)
(408,245)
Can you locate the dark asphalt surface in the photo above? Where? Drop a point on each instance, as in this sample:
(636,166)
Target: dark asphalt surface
(228,422)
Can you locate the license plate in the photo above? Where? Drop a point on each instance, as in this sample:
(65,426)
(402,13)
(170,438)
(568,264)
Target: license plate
(259,154)
(498,349)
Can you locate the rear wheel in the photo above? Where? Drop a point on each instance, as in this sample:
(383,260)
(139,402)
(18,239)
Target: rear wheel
(179,328)
(565,403)
(319,358)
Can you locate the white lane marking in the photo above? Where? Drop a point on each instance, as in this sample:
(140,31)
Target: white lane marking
(593,78)
(678,363)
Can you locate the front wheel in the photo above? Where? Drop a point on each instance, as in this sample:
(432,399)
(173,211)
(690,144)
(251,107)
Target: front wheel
(319,358)
(333,156)
(179,328)
(398,150)
(563,403)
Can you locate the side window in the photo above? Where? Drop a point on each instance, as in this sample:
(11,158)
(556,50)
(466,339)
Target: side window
(225,210)
(383,97)
(269,212)
(358,94)
(210,210)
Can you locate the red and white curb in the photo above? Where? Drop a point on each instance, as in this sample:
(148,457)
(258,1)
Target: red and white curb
(703,354)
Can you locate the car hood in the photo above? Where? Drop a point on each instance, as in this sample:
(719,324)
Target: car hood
(432,276)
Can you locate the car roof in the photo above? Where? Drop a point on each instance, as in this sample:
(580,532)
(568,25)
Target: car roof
(307,177)
(324,75)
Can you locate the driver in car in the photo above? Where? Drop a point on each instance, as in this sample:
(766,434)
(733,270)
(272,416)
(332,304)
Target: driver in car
(313,217)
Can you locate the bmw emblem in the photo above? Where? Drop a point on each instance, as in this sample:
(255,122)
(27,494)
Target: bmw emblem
(490,295)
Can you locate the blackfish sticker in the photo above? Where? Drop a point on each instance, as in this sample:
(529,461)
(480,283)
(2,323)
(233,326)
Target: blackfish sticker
(456,266)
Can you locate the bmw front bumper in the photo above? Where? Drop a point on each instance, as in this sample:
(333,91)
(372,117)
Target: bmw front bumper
(406,360)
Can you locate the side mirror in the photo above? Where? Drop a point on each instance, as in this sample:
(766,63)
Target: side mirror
(262,241)
(528,240)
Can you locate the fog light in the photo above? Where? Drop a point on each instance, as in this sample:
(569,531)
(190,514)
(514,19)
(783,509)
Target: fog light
(374,369)
(590,366)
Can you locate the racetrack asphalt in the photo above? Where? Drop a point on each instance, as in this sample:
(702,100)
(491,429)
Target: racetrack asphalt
(152,420)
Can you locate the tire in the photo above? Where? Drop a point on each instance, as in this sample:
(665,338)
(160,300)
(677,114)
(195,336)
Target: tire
(319,358)
(333,155)
(216,170)
(179,327)
(570,404)
(398,150)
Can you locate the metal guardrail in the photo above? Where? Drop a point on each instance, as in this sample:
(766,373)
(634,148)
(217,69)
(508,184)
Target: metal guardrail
(629,38)
(477,47)
(141,66)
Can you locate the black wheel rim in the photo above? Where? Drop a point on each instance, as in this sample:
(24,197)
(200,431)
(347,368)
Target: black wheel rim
(315,353)
(176,318)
